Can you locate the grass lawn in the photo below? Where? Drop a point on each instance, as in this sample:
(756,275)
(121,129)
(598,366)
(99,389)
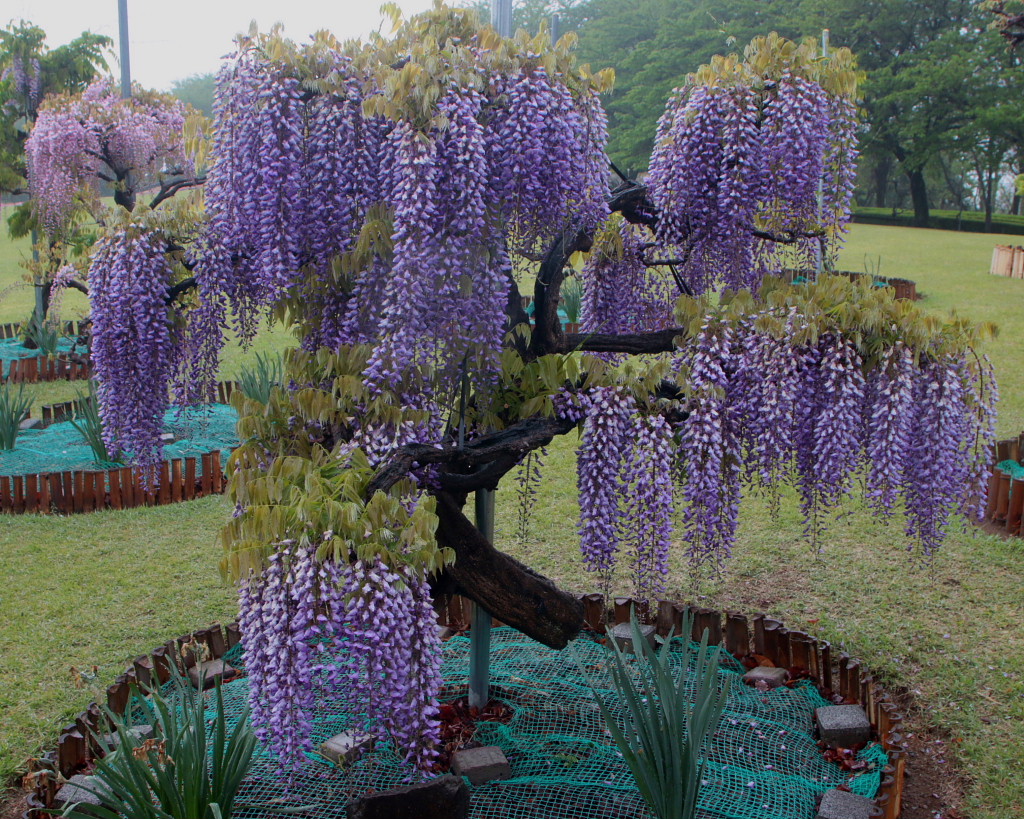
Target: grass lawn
(99,589)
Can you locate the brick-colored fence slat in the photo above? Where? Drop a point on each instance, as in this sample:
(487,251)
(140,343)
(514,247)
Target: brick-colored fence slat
(176,480)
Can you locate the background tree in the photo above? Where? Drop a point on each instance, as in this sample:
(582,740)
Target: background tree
(31,71)
(197,91)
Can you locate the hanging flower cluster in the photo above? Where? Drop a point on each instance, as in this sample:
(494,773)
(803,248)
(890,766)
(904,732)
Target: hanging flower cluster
(621,293)
(741,152)
(409,214)
(131,348)
(80,140)
(298,612)
(772,399)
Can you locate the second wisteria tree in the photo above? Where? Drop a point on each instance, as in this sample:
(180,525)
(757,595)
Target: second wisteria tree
(388,201)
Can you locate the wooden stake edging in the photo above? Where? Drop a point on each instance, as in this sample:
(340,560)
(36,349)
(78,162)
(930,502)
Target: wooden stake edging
(74,753)
(116,488)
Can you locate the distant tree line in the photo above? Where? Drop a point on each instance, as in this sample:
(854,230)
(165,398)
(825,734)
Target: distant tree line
(943,103)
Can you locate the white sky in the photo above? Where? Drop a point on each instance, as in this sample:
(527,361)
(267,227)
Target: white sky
(172,39)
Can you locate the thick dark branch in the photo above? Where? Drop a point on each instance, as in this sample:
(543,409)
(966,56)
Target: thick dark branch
(81,287)
(658,341)
(168,189)
(787,237)
(547,333)
(504,449)
(503,586)
(179,288)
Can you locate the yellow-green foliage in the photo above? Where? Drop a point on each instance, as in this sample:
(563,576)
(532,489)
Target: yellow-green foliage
(296,479)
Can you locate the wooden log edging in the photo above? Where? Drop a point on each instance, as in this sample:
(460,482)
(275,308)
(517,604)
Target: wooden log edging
(738,634)
(116,488)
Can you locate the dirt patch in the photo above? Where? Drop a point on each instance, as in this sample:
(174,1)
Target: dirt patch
(13,804)
(933,789)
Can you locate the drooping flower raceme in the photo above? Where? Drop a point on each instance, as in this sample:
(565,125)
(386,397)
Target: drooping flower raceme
(131,349)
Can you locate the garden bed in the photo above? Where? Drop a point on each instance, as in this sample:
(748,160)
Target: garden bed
(19,364)
(52,468)
(763,760)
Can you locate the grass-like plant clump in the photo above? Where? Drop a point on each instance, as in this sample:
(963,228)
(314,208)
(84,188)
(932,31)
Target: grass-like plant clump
(663,733)
(14,408)
(89,423)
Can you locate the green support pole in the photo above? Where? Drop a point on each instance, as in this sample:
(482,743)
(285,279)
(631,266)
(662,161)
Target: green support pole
(480,632)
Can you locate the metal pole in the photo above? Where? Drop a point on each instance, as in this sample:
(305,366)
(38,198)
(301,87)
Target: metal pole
(820,255)
(554,27)
(480,630)
(480,633)
(501,17)
(126,67)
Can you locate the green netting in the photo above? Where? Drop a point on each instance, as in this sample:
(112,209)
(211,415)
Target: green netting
(14,348)
(1012,468)
(61,448)
(762,760)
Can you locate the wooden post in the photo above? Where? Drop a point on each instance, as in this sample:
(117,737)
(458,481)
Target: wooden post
(737,635)
(594,612)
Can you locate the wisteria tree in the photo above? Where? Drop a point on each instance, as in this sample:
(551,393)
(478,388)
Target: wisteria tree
(84,144)
(388,201)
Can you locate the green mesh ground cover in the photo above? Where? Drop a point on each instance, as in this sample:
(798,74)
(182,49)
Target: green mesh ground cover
(14,348)
(61,448)
(761,762)
(1012,468)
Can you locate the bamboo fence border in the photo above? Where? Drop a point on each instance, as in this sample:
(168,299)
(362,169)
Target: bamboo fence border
(77,491)
(837,673)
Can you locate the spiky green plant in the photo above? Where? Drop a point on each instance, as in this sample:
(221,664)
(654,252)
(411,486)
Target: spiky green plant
(572,298)
(14,407)
(44,335)
(88,422)
(661,733)
(257,381)
(180,771)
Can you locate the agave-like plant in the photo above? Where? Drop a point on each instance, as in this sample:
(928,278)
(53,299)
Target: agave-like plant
(179,771)
(662,733)
(257,381)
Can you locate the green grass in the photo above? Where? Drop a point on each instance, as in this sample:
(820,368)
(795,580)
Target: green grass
(99,589)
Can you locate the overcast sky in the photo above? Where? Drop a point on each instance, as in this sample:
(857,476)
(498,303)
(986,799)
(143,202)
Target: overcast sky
(172,39)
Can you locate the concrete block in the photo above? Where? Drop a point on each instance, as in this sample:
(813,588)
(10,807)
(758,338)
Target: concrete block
(211,671)
(30,423)
(446,797)
(79,790)
(766,677)
(346,747)
(622,634)
(443,632)
(140,732)
(480,765)
(836,804)
(842,726)
(167,438)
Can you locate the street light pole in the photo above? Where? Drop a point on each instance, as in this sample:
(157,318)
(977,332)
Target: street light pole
(126,67)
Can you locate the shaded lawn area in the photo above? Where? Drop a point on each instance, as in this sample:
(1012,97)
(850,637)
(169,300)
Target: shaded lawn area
(102,588)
